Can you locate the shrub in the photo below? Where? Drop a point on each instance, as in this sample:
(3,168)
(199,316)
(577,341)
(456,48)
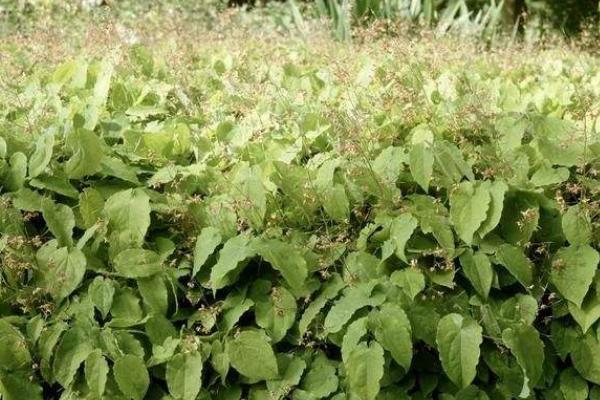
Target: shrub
(267,223)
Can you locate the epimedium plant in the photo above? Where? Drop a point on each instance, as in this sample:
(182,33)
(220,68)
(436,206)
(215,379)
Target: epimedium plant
(274,230)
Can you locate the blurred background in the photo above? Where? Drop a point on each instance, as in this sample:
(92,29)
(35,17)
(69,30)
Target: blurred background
(528,19)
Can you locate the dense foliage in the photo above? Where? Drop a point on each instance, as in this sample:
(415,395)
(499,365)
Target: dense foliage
(276,220)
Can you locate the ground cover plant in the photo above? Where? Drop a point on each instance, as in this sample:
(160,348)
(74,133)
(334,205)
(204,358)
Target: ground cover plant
(289,218)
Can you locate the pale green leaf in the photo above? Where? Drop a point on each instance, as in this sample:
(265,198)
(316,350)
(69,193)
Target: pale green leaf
(573,270)
(128,214)
(155,294)
(468,209)
(42,154)
(206,243)
(514,260)
(364,370)
(275,310)
(478,270)
(60,221)
(252,356)
(497,190)
(96,373)
(14,353)
(75,346)
(421,164)
(330,290)
(137,263)
(87,151)
(401,230)
(458,340)
(321,379)
(588,313)
(353,299)
(62,272)
(285,258)
(525,344)
(132,376)
(392,330)
(290,372)
(577,225)
(101,292)
(586,357)
(184,375)
(411,280)
(235,250)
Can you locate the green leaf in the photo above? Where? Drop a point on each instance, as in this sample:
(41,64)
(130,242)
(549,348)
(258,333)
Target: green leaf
(60,221)
(14,353)
(235,250)
(206,243)
(573,386)
(251,355)
(450,164)
(184,375)
(577,226)
(290,370)
(586,357)
(355,331)
(62,272)
(235,305)
(101,292)
(354,298)
(573,270)
(74,348)
(96,373)
(335,202)
(512,258)
(97,101)
(87,154)
(411,280)
(159,328)
(546,175)
(17,172)
(2,148)
(478,270)
(137,263)
(251,194)
(468,209)
(128,214)
(42,154)
(401,230)
(321,379)
(91,204)
(126,310)
(275,309)
(392,330)
(131,376)
(421,164)
(520,218)
(19,386)
(285,258)
(525,344)
(458,340)
(155,294)
(330,290)
(364,370)
(29,200)
(588,313)
(497,190)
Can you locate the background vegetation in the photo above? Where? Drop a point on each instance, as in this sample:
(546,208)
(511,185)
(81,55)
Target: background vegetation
(299,200)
